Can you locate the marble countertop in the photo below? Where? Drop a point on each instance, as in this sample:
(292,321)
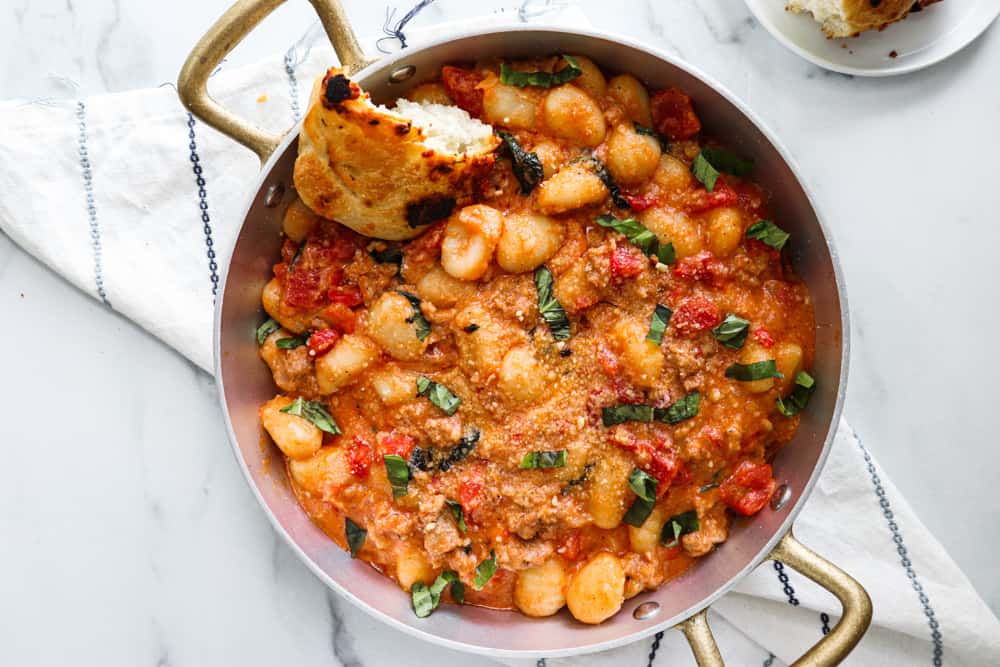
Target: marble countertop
(130,536)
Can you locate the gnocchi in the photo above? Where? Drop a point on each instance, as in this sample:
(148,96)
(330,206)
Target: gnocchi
(596,592)
(528,240)
(469,240)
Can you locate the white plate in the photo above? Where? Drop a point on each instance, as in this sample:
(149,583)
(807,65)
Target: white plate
(919,41)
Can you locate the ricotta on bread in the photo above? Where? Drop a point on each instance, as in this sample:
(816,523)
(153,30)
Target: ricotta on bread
(386,173)
(848,18)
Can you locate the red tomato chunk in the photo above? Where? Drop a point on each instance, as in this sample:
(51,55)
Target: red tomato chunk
(462,84)
(696,314)
(673,114)
(748,489)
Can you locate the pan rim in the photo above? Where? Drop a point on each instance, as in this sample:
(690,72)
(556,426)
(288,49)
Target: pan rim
(791,513)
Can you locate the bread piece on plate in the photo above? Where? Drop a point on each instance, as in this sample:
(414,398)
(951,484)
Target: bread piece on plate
(386,173)
(848,18)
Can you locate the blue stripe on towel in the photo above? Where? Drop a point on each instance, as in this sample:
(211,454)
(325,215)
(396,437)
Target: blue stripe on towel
(904,558)
(654,648)
(88,188)
(206,220)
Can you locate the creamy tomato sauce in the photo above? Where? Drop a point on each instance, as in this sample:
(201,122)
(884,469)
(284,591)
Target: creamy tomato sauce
(363,325)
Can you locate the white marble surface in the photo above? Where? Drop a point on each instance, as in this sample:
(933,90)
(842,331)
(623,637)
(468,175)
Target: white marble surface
(129,536)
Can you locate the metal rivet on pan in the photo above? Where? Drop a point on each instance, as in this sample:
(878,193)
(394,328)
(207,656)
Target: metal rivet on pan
(402,73)
(646,610)
(274,195)
(780,497)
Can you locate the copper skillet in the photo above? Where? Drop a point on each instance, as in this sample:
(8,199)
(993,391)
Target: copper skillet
(245,382)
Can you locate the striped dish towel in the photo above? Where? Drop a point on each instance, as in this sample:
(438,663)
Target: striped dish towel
(137,203)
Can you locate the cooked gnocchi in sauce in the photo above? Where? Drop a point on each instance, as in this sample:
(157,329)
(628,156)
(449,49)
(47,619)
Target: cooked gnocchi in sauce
(562,393)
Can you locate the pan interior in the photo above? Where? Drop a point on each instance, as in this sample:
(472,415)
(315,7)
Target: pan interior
(246,382)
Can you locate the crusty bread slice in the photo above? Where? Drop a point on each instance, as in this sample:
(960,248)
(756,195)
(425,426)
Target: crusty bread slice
(386,173)
(848,18)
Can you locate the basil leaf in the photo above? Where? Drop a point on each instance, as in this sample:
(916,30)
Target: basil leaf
(732,332)
(602,173)
(640,236)
(676,526)
(315,412)
(266,329)
(579,480)
(398,473)
(650,132)
(549,307)
(769,233)
(438,394)
(458,513)
(427,598)
(421,459)
(704,172)
(355,536)
(292,343)
(392,254)
(658,323)
(544,460)
(296,256)
(799,398)
(526,165)
(685,408)
(485,570)
(708,487)
(512,77)
(712,160)
(619,414)
(423,326)
(461,450)
(759,370)
(644,485)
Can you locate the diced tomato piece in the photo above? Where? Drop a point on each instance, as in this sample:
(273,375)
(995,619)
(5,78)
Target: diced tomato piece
(321,341)
(359,457)
(694,315)
(303,288)
(639,203)
(396,443)
(626,262)
(349,295)
(462,84)
(571,547)
(764,338)
(749,488)
(340,317)
(697,201)
(698,267)
(470,494)
(664,466)
(607,359)
(673,114)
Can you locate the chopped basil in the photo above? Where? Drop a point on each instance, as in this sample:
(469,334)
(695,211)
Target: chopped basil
(266,329)
(526,165)
(650,132)
(423,326)
(549,307)
(438,394)
(544,460)
(292,343)
(640,236)
(392,254)
(769,233)
(658,323)
(461,450)
(644,485)
(676,526)
(485,570)
(355,536)
(685,408)
(576,481)
(708,487)
(458,513)
(427,598)
(759,370)
(732,332)
(421,459)
(315,413)
(512,77)
(799,398)
(472,328)
(398,473)
(619,414)
(712,160)
(296,256)
(602,173)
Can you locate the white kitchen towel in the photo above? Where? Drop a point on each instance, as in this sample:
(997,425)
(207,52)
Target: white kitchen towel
(137,203)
